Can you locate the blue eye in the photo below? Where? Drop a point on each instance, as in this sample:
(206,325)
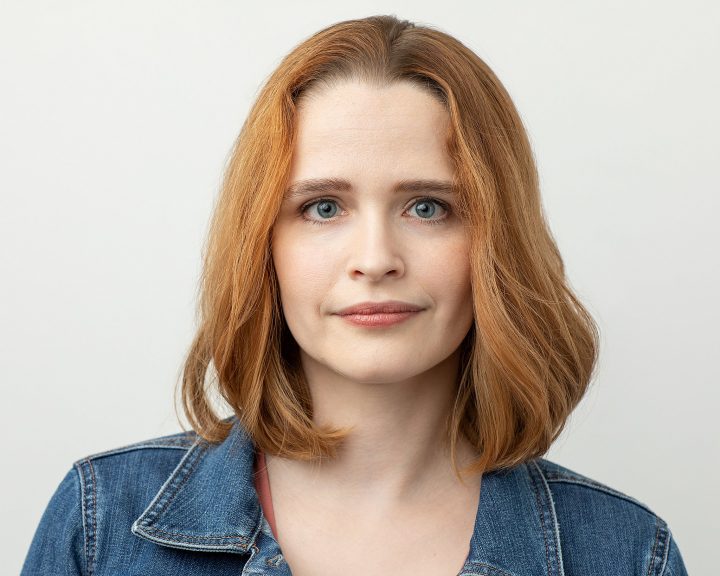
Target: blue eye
(326,208)
(425,209)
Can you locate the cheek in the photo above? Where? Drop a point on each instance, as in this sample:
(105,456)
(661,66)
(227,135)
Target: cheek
(303,271)
(457,291)
(448,271)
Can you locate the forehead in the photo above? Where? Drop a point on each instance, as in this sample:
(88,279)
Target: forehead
(352,124)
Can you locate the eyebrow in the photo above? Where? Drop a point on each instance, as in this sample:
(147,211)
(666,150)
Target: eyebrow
(325,185)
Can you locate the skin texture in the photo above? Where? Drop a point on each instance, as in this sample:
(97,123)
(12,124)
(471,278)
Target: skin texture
(394,384)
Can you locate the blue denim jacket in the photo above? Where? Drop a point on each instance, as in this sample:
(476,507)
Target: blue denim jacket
(177,506)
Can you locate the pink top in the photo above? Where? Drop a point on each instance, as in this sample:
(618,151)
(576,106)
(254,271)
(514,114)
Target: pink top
(262,486)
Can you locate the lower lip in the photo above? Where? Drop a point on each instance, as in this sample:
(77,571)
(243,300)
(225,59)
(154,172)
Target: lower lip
(376,320)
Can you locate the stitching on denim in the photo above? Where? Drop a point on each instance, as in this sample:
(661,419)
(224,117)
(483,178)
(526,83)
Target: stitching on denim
(88,512)
(169,493)
(600,488)
(91,567)
(83,509)
(654,548)
(89,506)
(487,569)
(553,476)
(173,445)
(578,478)
(660,551)
(542,516)
(189,538)
(553,514)
(190,544)
(666,553)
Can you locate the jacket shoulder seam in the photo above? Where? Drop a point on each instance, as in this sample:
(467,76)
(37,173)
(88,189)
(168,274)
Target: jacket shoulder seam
(566,476)
(563,479)
(164,443)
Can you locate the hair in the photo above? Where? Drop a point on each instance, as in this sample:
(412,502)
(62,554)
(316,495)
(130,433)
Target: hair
(529,357)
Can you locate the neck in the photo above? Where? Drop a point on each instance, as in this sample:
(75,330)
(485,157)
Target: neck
(397,450)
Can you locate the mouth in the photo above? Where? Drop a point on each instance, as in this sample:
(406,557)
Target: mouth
(379,319)
(373,308)
(379,314)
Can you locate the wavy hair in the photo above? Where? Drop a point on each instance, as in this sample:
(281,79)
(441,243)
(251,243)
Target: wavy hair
(530,355)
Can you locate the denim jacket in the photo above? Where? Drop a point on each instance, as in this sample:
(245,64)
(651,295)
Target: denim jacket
(177,505)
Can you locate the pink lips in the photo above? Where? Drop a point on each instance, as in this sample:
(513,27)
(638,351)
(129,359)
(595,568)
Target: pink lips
(371,314)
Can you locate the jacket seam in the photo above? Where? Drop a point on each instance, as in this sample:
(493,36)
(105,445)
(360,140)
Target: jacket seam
(186,537)
(654,548)
(666,554)
(599,488)
(661,540)
(560,476)
(179,445)
(485,570)
(556,531)
(542,520)
(94,512)
(89,508)
(79,472)
(543,506)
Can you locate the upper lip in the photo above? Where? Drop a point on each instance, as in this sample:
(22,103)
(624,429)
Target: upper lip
(386,307)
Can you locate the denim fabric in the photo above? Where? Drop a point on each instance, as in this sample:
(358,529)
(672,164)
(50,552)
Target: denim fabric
(178,505)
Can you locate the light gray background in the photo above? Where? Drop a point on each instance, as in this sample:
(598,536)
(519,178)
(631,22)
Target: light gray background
(116,120)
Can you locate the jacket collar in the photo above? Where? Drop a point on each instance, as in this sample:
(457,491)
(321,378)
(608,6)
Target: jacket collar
(209,503)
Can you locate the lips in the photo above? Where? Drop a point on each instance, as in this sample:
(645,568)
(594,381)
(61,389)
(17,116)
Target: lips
(386,307)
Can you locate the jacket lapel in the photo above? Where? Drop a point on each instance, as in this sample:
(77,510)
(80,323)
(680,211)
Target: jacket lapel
(209,501)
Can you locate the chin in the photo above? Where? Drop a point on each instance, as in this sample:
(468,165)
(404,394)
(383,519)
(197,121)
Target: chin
(379,372)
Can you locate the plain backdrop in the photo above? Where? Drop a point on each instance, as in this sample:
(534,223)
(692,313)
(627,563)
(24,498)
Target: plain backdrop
(117,118)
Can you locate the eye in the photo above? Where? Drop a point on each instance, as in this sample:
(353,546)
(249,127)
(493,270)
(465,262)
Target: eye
(425,208)
(326,208)
(323,210)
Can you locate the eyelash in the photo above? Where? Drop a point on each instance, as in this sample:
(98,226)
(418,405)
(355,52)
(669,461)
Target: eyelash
(442,204)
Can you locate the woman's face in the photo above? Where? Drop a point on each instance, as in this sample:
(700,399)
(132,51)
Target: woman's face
(370,217)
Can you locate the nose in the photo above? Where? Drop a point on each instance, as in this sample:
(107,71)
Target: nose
(375,250)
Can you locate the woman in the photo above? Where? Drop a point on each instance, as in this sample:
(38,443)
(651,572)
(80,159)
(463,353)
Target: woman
(386,313)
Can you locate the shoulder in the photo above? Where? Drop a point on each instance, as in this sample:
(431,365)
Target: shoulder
(135,471)
(564,481)
(598,521)
(145,454)
(118,483)
(150,461)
